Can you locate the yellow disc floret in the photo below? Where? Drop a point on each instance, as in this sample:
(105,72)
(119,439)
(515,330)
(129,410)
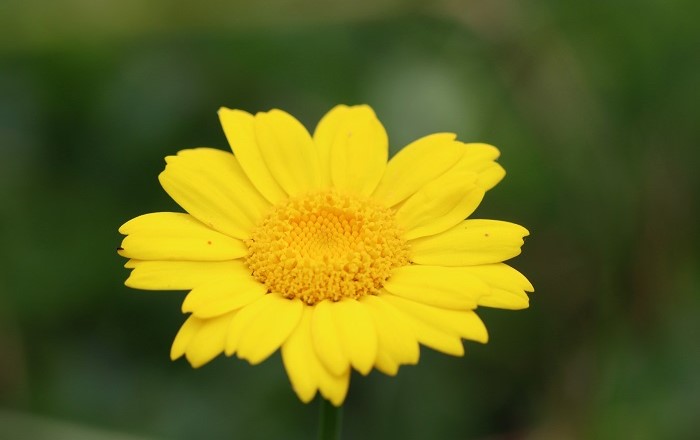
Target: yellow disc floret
(326,246)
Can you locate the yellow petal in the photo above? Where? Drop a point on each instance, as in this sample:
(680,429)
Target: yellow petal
(355,146)
(299,358)
(508,286)
(469,243)
(504,299)
(208,341)
(177,275)
(327,339)
(305,370)
(490,176)
(477,154)
(184,336)
(357,333)
(444,287)
(440,328)
(397,345)
(386,364)
(267,333)
(288,152)
(131,264)
(479,158)
(176,236)
(463,323)
(224,295)
(435,337)
(439,205)
(417,164)
(239,127)
(211,185)
(333,387)
(243,318)
(324,137)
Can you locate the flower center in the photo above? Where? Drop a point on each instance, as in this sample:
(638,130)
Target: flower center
(326,246)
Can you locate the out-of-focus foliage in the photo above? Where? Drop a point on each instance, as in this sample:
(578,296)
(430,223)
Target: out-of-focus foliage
(593,105)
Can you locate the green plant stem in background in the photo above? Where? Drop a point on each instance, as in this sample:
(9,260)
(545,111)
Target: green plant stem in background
(329,421)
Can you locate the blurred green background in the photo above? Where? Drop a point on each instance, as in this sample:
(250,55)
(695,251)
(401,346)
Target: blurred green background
(593,105)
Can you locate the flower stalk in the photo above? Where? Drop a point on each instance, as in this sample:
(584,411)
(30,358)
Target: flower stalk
(329,421)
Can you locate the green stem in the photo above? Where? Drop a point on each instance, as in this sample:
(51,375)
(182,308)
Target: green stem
(329,421)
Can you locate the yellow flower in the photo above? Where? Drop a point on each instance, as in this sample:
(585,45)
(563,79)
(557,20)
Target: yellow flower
(317,246)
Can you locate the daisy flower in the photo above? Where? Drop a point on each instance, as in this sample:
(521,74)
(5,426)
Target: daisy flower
(321,247)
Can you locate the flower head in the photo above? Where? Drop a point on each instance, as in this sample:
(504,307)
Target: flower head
(317,246)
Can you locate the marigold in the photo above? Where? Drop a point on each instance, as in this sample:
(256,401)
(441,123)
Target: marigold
(319,247)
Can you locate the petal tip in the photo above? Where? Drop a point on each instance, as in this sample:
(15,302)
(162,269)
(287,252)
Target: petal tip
(175,354)
(484,339)
(363,107)
(303,395)
(363,370)
(196,362)
(124,228)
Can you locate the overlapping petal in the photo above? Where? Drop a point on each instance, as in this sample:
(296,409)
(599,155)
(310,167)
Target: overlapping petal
(416,165)
(264,335)
(184,336)
(239,128)
(427,333)
(211,186)
(242,319)
(444,287)
(471,242)
(439,328)
(201,340)
(357,333)
(230,292)
(305,370)
(354,146)
(440,205)
(176,236)
(299,358)
(428,158)
(479,158)
(397,344)
(288,152)
(327,339)
(508,286)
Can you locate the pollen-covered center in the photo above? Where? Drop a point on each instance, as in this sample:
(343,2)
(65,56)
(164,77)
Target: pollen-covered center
(326,246)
